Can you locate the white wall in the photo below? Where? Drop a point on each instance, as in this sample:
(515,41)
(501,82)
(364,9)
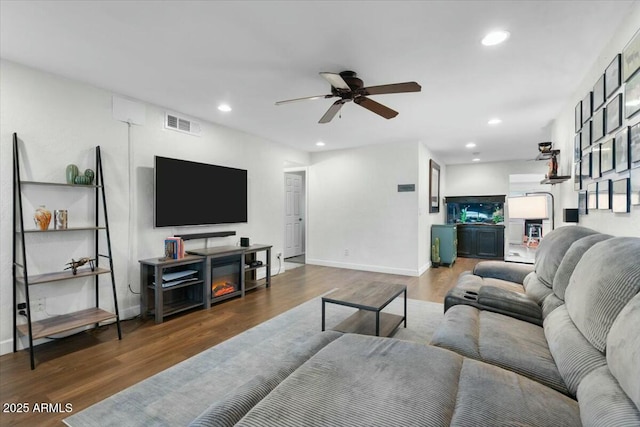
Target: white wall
(492,178)
(60,121)
(563,132)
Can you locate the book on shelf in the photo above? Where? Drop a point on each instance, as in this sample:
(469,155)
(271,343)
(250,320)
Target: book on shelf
(174,248)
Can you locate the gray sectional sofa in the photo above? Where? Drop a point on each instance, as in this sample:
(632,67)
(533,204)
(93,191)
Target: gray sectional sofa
(582,367)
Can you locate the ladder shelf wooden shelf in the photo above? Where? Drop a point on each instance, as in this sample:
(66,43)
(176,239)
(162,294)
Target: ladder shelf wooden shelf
(22,280)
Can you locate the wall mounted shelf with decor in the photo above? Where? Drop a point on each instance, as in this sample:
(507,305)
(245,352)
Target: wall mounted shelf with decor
(555,180)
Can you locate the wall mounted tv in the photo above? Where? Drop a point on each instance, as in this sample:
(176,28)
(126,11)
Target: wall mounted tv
(191,193)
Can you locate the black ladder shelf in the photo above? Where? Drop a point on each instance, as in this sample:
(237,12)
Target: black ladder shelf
(21,279)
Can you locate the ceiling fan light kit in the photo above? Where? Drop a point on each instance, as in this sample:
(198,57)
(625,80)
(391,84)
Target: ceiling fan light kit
(349,87)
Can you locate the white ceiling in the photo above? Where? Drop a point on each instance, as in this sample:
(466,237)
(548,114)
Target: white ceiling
(191,56)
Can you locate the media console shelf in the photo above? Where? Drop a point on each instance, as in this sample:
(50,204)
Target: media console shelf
(203,277)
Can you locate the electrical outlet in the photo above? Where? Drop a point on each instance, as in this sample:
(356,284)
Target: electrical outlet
(22,306)
(279,255)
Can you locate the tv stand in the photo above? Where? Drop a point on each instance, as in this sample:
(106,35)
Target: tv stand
(197,291)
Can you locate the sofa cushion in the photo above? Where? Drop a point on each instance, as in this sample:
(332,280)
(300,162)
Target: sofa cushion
(604,403)
(553,247)
(570,260)
(623,349)
(471,282)
(603,282)
(369,381)
(500,340)
(574,356)
(536,289)
(550,303)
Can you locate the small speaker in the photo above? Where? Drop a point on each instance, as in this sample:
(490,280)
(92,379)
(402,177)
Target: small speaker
(244,242)
(570,215)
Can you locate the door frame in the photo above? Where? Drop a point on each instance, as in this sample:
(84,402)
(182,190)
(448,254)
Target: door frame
(305,171)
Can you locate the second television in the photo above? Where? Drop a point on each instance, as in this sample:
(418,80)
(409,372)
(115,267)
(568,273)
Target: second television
(192,193)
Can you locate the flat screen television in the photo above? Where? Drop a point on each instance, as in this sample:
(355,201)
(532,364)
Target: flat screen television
(192,193)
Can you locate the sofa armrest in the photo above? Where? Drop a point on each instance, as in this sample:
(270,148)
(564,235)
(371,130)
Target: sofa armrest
(509,271)
(509,303)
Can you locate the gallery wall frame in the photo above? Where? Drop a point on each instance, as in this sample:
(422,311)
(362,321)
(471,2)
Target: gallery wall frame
(607,156)
(620,202)
(634,187)
(613,76)
(585,137)
(578,116)
(597,129)
(582,203)
(595,161)
(434,187)
(586,107)
(631,57)
(632,96)
(614,114)
(585,167)
(592,196)
(622,150)
(604,194)
(577,147)
(598,93)
(634,145)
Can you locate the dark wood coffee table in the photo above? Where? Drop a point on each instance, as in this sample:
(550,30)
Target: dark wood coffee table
(370,299)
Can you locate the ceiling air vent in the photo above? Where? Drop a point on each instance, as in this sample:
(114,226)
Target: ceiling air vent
(181,124)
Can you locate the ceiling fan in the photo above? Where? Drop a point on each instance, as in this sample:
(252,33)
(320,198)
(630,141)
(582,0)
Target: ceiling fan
(348,87)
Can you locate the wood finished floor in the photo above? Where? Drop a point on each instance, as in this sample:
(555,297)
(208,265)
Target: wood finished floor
(88,367)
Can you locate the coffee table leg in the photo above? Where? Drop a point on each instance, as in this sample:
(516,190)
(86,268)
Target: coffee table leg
(323,316)
(378,323)
(405,307)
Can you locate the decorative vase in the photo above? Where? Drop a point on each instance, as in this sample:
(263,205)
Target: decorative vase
(72,173)
(42,218)
(81,180)
(90,174)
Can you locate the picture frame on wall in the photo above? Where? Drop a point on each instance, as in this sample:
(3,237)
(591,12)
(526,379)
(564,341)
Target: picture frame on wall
(634,187)
(577,147)
(620,196)
(612,76)
(585,138)
(582,203)
(634,145)
(607,156)
(604,195)
(586,108)
(578,116)
(577,176)
(614,114)
(595,161)
(434,187)
(631,57)
(632,96)
(585,167)
(598,93)
(597,127)
(592,196)
(622,150)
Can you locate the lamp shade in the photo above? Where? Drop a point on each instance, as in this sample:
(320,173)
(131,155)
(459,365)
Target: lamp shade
(528,207)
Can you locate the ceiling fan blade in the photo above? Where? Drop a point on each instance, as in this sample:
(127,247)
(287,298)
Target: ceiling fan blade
(392,88)
(306,98)
(332,111)
(375,107)
(336,81)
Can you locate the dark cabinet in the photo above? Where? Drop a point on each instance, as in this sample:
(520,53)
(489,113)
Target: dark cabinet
(481,241)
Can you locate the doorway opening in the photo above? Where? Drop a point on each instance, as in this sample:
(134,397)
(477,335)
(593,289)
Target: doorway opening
(295,190)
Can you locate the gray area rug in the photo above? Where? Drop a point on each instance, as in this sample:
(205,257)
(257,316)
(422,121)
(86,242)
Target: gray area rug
(179,394)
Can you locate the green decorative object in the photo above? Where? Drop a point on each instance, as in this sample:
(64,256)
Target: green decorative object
(463,215)
(72,173)
(90,174)
(81,180)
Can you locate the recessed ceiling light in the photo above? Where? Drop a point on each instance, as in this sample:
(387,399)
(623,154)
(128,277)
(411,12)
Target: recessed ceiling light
(495,121)
(495,37)
(470,145)
(224,107)
(320,144)
(476,160)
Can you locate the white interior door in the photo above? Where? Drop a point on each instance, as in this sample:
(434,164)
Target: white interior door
(293,221)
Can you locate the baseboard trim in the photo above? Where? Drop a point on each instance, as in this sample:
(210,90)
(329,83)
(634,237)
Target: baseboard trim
(424,268)
(364,267)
